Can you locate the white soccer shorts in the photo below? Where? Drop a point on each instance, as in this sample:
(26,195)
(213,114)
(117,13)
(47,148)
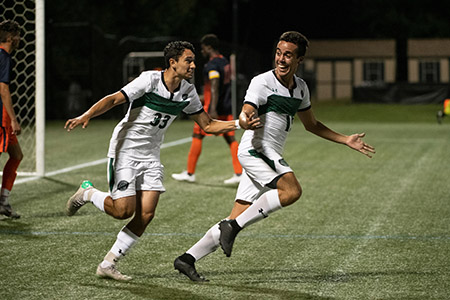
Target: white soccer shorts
(259,172)
(126,176)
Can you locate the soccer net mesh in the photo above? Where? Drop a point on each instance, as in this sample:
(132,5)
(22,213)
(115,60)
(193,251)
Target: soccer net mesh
(23,80)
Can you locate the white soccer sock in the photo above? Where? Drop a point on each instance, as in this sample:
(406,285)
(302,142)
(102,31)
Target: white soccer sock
(207,244)
(261,208)
(4,196)
(125,240)
(97,198)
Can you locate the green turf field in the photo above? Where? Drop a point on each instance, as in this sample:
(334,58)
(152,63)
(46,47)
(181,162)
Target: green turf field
(364,228)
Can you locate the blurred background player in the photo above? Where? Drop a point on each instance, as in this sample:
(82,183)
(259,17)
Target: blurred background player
(444,112)
(217,102)
(10,128)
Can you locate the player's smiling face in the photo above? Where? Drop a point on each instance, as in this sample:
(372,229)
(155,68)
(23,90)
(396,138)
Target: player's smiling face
(286,60)
(185,66)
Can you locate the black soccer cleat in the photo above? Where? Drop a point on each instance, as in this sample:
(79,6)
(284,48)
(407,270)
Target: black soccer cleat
(228,232)
(188,269)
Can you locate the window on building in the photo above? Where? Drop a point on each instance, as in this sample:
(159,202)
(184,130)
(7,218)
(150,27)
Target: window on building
(373,71)
(429,71)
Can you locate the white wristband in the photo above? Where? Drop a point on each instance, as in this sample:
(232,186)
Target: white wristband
(236,124)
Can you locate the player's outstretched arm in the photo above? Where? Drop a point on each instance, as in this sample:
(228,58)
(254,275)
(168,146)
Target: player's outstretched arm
(248,119)
(354,141)
(212,126)
(97,109)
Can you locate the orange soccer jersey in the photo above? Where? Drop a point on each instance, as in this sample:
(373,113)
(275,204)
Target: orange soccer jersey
(447,106)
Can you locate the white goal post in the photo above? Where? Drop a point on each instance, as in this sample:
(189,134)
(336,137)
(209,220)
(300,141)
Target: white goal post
(28,82)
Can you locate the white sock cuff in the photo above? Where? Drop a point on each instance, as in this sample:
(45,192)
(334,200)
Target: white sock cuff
(207,244)
(273,200)
(98,199)
(5,192)
(127,236)
(125,240)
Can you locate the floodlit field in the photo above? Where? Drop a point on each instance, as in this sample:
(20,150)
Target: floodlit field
(363,229)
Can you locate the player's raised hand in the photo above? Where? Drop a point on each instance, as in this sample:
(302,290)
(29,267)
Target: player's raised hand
(82,120)
(355,142)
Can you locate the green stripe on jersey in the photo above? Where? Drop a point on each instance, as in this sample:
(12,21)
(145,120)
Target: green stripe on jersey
(281,105)
(161,104)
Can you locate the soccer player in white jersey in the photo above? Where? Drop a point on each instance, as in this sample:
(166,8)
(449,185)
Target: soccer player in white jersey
(135,173)
(268,183)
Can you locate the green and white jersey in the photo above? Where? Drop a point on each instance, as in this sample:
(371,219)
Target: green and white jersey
(152,109)
(277,106)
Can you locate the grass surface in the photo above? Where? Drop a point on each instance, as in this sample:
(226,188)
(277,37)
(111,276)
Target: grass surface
(363,229)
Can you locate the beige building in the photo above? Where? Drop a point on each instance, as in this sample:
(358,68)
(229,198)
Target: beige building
(336,66)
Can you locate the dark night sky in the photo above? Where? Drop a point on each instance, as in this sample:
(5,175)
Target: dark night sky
(323,19)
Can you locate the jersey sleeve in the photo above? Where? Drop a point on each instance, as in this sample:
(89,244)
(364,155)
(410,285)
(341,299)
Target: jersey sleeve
(137,88)
(306,101)
(5,67)
(212,74)
(255,95)
(194,106)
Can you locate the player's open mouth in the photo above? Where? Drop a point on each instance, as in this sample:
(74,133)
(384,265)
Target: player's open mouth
(282,68)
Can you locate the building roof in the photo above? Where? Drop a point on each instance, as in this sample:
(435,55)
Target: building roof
(351,49)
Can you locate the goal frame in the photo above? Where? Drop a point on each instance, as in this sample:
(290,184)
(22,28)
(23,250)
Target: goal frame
(40,88)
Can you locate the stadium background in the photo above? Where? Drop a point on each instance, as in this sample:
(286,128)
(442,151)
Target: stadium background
(364,228)
(86,41)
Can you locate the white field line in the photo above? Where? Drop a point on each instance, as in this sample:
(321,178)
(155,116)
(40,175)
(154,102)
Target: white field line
(95,163)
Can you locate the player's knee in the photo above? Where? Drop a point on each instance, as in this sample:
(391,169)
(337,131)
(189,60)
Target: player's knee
(18,157)
(290,196)
(147,217)
(123,212)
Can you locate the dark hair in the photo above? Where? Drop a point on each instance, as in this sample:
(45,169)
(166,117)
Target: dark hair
(296,38)
(8,28)
(175,50)
(210,40)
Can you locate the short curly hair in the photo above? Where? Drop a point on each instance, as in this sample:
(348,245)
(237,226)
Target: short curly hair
(175,50)
(296,38)
(8,28)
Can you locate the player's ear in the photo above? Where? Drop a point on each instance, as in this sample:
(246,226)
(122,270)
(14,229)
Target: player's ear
(172,63)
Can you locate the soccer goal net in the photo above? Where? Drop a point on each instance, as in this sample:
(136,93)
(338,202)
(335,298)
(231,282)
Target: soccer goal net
(27,84)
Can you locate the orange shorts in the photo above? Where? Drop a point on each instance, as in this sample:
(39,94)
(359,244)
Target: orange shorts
(7,138)
(199,131)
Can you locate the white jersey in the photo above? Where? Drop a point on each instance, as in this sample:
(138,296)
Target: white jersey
(277,106)
(152,109)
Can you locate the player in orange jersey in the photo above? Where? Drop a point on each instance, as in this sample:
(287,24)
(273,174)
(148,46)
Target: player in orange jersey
(10,128)
(444,112)
(217,102)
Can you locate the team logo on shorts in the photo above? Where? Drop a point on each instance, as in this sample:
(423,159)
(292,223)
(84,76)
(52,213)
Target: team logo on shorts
(283,163)
(122,185)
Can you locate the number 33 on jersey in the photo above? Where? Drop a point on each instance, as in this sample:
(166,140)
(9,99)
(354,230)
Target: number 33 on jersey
(152,109)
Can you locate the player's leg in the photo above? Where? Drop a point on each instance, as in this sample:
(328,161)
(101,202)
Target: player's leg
(287,191)
(146,202)
(233,144)
(119,203)
(9,174)
(193,156)
(210,241)
(185,263)
(281,188)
